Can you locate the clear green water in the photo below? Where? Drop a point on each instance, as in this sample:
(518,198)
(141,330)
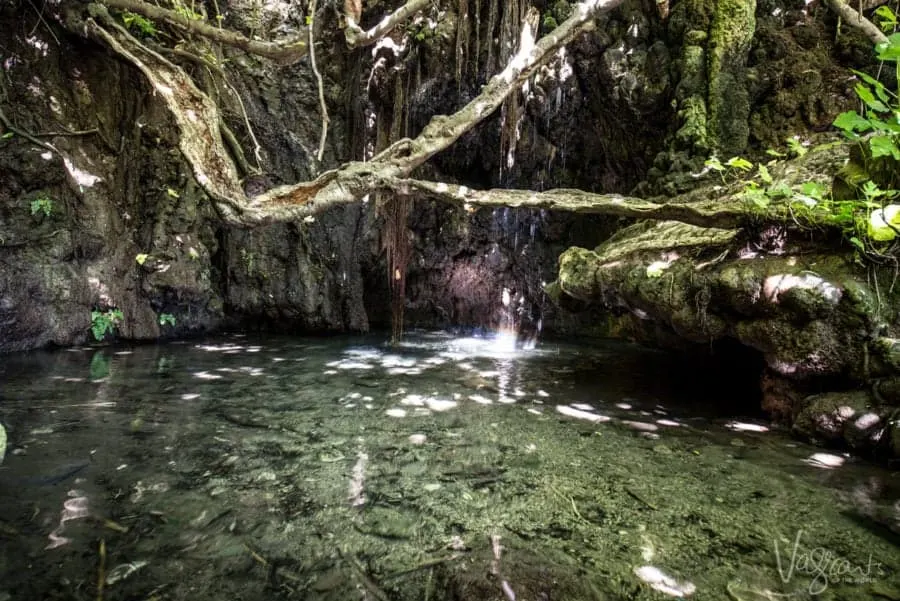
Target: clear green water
(342,468)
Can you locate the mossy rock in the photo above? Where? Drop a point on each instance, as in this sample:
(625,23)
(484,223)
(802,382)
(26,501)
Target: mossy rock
(825,417)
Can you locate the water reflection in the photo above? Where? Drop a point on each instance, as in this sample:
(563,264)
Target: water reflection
(447,468)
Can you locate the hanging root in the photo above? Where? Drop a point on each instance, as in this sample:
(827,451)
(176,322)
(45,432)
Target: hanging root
(321,85)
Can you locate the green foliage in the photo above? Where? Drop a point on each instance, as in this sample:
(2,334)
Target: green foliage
(188,12)
(42,205)
(139,23)
(796,147)
(166,319)
(548,22)
(141,258)
(878,127)
(105,322)
(886,18)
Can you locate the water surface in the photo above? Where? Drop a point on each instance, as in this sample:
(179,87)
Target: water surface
(448,468)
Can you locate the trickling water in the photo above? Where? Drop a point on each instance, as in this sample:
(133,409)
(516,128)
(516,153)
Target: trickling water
(447,468)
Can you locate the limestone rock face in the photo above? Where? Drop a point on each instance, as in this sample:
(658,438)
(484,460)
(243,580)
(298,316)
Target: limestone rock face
(814,318)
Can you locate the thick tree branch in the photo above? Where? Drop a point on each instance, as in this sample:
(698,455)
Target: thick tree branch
(442,131)
(201,141)
(355,35)
(195,113)
(713,213)
(855,19)
(283,51)
(354,180)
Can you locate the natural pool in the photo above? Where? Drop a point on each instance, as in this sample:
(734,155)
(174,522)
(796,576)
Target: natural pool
(444,469)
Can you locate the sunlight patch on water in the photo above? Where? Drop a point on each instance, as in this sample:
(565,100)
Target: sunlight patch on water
(74,508)
(663,583)
(349,364)
(570,411)
(641,426)
(205,375)
(746,427)
(219,348)
(825,460)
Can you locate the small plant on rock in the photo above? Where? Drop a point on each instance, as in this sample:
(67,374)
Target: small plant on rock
(105,322)
(42,205)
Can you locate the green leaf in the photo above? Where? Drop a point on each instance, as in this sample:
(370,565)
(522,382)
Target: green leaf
(764,174)
(739,163)
(774,153)
(172,193)
(851,121)
(878,228)
(814,190)
(871,190)
(858,243)
(309,20)
(714,163)
(759,198)
(890,50)
(7,135)
(141,258)
(883,146)
(796,146)
(883,93)
(866,95)
(780,190)
(887,18)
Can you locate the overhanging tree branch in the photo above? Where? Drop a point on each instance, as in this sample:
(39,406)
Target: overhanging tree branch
(357,37)
(195,113)
(354,180)
(283,51)
(713,213)
(857,20)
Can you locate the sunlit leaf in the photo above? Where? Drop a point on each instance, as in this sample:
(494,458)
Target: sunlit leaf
(739,163)
(852,121)
(172,193)
(883,146)
(714,163)
(141,258)
(881,222)
(764,174)
(890,50)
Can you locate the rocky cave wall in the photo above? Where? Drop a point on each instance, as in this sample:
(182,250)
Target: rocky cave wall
(609,116)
